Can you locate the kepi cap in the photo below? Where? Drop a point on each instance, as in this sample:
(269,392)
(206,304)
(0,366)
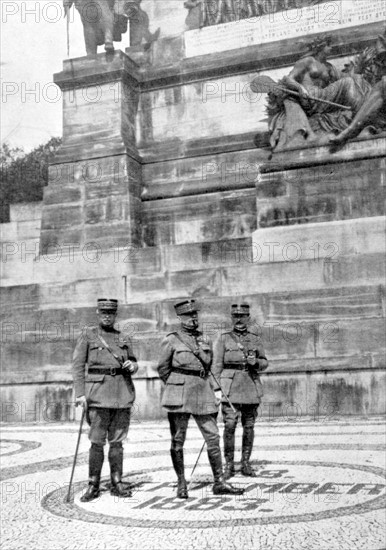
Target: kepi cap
(240,309)
(186,306)
(107,304)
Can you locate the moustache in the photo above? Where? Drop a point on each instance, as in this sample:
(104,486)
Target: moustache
(192,323)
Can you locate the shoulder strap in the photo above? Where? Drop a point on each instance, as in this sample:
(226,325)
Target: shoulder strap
(187,344)
(239,344)
(109,349)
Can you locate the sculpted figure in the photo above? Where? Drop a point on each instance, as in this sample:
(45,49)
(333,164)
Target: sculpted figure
(203,13)
(373,109)
(326,103)
(140,35)
(194,19)
(104,21)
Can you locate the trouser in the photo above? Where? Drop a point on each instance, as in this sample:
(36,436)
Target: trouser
(207,425)
(248,415)
(112,424)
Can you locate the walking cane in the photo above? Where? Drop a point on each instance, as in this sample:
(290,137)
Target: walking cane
(194,467)
(222,391)
(68,498)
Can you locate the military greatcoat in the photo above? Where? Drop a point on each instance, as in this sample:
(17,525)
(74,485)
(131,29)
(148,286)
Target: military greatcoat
(104,388)
(186,391)
(239,381)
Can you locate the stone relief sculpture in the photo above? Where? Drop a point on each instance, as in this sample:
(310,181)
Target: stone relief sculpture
(204,13)
(315,101)
(373,110)
(105,21)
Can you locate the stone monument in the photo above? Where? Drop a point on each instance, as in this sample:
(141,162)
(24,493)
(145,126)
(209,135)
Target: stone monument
(172,182)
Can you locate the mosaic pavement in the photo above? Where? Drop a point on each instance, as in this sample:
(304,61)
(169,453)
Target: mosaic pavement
(319,485)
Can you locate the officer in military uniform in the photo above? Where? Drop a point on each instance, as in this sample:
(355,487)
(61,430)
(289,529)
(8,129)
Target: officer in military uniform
(184,366)
(107,392)
(238,358)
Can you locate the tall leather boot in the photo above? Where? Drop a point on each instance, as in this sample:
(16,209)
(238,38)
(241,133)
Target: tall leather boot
(116,467)
(178,464)
(220,486)
(229,453)
(246,468)
(95,463)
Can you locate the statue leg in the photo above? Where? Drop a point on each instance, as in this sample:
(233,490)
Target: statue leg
(90,39)
(108,20)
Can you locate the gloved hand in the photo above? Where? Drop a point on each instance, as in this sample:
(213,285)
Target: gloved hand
(251,358)
(217,395)
(130,366)
(205,355)
(82,401)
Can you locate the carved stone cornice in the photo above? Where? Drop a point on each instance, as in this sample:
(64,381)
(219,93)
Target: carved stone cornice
(281,53)
(90,71)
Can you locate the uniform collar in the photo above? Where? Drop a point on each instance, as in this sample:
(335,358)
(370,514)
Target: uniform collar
(190,332)
(108,329)
(240,332)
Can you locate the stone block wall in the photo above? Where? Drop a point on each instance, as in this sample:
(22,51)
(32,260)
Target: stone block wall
(157,195)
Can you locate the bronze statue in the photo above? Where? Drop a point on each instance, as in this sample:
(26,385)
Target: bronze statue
(194,19)
(104,21)
(140,35)
(373,109)
(326,103)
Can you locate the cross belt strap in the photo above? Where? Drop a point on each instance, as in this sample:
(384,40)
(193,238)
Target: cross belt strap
(109,349)
(194,351)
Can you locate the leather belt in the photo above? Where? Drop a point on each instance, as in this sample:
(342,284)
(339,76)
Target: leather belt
(112,371)
(191,372)
(236,367)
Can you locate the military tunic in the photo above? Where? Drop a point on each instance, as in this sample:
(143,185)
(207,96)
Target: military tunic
(184,391)
(239,381)
(103,389)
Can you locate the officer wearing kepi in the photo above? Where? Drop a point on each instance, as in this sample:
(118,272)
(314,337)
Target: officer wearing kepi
(106,390)
(184,366)
(238,358)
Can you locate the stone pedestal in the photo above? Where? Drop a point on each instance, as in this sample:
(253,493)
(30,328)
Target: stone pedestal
(181,202)
(317,184)
(95,182)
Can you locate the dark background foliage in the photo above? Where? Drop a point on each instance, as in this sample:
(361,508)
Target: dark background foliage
(24,175)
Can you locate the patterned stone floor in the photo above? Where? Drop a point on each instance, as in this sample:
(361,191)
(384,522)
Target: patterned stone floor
(319,486)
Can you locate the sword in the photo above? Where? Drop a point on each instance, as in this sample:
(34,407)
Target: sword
(67,8)
(265,84)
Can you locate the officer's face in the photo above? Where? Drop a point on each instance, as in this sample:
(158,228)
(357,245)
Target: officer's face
(240,321)
(106,317)
(189,320)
